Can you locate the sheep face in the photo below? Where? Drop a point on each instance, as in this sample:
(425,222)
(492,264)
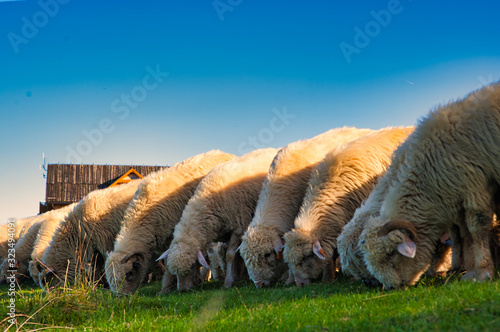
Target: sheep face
(217,257)
(301,258)
(181,258)
(34,268)
(392,256)
(351,256)
(125,272)
(261,251)
(49,278)
(192,278)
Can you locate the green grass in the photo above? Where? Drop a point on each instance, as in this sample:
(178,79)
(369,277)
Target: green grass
(433,305)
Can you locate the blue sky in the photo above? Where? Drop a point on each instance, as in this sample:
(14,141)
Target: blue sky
(155,82)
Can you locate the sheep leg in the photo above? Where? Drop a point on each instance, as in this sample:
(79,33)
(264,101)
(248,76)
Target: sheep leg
(289,277)
(479,223)
(456,248)
(231,273)
(329,270)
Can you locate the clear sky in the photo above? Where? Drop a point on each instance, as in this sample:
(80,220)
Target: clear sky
(155,82)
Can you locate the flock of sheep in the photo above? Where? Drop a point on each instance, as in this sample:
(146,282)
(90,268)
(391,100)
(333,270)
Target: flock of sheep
(384,206)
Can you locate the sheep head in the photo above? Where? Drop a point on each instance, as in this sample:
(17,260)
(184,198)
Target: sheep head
(34,267)
(305,256)
(125,271)
(182,256)
(262,252)
(49,278)
(186,278)
(192,278)
(216,253)
(390,251)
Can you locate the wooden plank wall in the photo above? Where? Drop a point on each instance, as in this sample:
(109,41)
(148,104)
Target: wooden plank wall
(70,183)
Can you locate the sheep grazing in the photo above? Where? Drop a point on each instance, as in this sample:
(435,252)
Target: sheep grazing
(23,249)
(339,184)
(13,232)
(221,209)
(51,221)
(149,221)
(280,200)
(80,243)
(446,180)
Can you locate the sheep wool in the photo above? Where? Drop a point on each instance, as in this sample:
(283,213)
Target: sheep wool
(151,217)
(280,200)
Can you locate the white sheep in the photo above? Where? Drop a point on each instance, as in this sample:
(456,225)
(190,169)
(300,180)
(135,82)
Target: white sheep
(221,209)
(280,200)
(446,180)
(81,241)
(23,249)
(343,179)
(51,221)
(10,235)
(151,217)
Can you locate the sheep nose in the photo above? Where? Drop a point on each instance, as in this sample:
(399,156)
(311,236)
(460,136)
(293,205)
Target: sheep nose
(262,283)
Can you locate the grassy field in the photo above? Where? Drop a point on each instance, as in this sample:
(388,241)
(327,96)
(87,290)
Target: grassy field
(433,305)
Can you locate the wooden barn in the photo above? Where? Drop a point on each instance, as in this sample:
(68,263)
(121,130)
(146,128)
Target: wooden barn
(69,183)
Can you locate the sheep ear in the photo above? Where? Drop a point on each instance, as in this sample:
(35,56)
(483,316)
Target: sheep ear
(107,253)
(202,260)
(318,251)
(408,248)
(238,249)
(164,255)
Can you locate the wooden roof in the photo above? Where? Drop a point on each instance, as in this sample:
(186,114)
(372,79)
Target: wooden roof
(69,183)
